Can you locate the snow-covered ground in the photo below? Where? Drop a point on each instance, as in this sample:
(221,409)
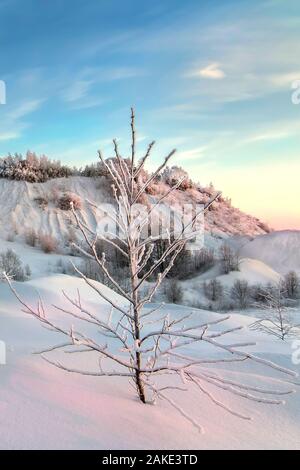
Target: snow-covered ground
(264,259)
(280,250)
(251,270)
(43,407)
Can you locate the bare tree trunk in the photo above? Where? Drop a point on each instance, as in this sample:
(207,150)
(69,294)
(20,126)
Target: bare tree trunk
(136,315)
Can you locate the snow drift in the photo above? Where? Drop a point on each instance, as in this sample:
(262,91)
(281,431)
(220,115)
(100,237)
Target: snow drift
(280,250)
(45,408)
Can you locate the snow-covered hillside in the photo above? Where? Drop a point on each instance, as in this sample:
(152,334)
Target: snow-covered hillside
(26,205)
(251,270)
(33,205)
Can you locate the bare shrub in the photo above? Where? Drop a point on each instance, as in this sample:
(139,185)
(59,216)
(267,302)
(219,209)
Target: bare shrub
(27,270)
(175,176)
(31,237)
(213,290)
(41,201)
(276,320)
(64,266)
(11,264)
(240,292)
(70,236)
(187,263)
(174,291)
(65,202)
(291,285)
(204,259)
(229,259)
(258,293)
(47,243)
(153,189)
(11,237)
(54,195)
(90,268)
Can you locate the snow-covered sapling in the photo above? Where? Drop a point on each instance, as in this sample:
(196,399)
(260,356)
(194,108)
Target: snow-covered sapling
(277,315)
(137,339)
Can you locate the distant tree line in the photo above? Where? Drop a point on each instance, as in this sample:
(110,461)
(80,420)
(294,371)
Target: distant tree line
(33,168)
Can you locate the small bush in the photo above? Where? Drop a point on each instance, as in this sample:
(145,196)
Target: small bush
(70,236)
(172,176)
(11,264)
(93,271)
(54,195)
(27,270)
(174,291)
(64,267)
(10,237)
(240,292)
(291,285)
(258,293)
(229,259)
(65,201)
(213,290)
(48,243)
(31,237)
(41,202)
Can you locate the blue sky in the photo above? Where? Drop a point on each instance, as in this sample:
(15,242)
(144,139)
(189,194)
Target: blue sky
(211,78)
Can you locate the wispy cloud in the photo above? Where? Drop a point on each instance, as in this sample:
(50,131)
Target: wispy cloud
(279,131)
(191,154)
(119,73)
(211,71)
(285,79)
(25,108)
(237,54)
(77,90)
(83,90)
(9,136)
(87,103)
(12,120)
(267,137)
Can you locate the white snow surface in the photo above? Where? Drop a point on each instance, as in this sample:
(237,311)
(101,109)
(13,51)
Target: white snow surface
(42,407)
(45,408)
(20,210)
(251,270)
(280,250)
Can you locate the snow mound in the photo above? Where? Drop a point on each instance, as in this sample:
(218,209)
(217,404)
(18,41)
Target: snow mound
(280,250)
(57,284)
(253,271)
